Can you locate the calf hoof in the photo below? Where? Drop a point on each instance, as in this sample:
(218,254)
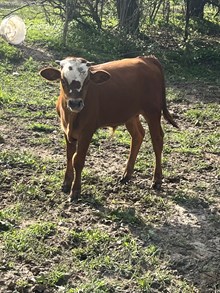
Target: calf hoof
(156,185)
(66,188)
(125,179)
(74,196)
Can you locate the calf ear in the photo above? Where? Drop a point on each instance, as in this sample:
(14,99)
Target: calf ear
(99,76)
(50,73)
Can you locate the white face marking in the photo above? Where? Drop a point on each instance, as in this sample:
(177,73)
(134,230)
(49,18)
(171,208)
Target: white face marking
(74,70)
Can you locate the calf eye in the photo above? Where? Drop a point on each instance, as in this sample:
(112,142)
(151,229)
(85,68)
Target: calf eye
(80,69)
(70,68)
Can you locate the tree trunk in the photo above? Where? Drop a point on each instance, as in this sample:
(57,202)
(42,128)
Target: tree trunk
(66,23)
(196,8)
(155,10)
(187,17)
(128,15)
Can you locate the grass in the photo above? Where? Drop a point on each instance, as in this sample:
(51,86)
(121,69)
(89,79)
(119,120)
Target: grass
(56,276)
(201,113)
(28,243)
(117,238)
(41,127)
(10,216)
(24,159)
(9,53)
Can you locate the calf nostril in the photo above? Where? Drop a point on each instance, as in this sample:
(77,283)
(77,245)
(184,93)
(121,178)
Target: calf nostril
(74,104)
(71,103)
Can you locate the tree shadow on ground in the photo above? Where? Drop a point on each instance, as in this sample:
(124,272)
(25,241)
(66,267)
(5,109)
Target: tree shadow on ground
(189,236)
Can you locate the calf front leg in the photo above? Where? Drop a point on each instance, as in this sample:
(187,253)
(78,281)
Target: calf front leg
(69,175)
(78,163)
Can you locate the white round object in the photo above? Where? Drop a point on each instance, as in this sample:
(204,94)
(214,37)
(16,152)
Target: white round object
(13,29)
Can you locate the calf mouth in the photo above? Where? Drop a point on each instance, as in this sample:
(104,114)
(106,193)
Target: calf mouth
(75,105)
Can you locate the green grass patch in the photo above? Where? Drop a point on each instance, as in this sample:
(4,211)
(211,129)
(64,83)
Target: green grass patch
(122,136)
(41,127)
(10,217)
(100,136)
(4,98)
(96,286)
(39,186)
(23,159)
(8,53)
(57,276)
(98,253)
(30,242)
(203,113)
(174,95)
(124,215)
(40,141)
(187,197)
(186,142)
(12,213)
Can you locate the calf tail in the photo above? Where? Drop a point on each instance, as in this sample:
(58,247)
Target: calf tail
(168,117)
(166,114)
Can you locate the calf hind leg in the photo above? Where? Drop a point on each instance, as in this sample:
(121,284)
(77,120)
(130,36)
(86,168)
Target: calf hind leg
(156,133)
(137,133)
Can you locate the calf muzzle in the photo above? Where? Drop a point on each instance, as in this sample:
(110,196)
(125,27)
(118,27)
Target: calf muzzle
(75,105)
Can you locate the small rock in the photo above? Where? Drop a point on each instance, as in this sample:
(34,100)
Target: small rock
(1,139)
(63,280)
(32,280)
(61,289)
(198,123)
(35,270)
(15,73)
(4,226)
(106,222)
(155,285)
(3,268)
(11,285)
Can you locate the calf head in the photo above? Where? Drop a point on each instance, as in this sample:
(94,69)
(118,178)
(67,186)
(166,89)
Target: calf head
(75,75)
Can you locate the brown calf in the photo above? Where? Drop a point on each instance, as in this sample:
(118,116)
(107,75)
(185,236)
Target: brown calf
(109,94)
